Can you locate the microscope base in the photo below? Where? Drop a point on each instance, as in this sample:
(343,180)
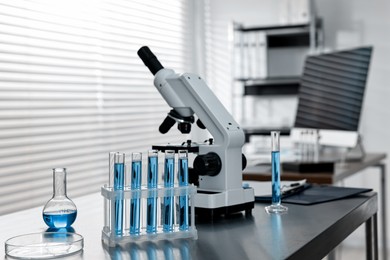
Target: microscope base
(226,211)
(214,204)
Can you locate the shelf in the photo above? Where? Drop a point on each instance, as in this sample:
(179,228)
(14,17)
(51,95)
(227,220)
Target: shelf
(301,39)
(272,27)
(272,86)
(281,36)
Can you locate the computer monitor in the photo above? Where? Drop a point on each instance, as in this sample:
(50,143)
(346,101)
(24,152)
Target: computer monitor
(331,95)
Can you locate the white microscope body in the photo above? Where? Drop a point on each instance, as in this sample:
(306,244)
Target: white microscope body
(188,94)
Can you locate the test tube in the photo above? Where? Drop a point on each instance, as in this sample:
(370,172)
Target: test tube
(276,206)
(151,214)
(136,172)
(183,181)
(117,171)
(168,206)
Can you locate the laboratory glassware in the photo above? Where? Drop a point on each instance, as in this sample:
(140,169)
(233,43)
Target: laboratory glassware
(155,223)
(152,179)
(183,181)
(168,206)
(108,234)
(117,180)
(59,211)
(45,245)
(276,206)
(136,172)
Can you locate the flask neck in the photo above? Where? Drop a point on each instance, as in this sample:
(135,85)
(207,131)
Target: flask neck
(59,182)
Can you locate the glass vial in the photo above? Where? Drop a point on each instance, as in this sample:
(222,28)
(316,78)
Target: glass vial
(168,206)
(59,211)
(276,206)
(183,181)
(116,182)
(135,204)
(152,179)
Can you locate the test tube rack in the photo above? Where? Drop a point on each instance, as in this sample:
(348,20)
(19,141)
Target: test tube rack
(111,238)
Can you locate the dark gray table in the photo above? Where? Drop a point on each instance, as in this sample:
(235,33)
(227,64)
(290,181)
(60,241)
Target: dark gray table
(350,168)
(305,232)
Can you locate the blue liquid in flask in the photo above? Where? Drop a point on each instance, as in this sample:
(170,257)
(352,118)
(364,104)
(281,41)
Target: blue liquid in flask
(183,200)
(136,167)
(151,216)
(59,220)
(59,211)
(168,207)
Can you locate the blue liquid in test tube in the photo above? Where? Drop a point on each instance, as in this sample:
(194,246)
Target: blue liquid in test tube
(183,181)
(119,174)
(136,172)
(151,214)
(168,207)
(276,192)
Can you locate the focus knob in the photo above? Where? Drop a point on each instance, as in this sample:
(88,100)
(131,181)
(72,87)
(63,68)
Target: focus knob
(208,164)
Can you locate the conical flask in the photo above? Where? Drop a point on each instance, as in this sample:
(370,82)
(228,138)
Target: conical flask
(59,211)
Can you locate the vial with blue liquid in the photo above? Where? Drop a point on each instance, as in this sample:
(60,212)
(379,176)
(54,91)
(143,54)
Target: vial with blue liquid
(117,183)
(152,180)
(276,206)
(183,181)
(168,204)
(135,204)
(59,211)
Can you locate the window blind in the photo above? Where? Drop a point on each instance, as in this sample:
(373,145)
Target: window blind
(72,89)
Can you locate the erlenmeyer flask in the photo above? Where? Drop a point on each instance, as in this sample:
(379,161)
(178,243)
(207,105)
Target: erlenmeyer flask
(59,211)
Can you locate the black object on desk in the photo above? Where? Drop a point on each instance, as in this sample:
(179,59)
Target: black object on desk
(314,194)
(309,167)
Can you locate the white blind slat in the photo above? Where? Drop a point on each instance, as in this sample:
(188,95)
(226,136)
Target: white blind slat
(72,89)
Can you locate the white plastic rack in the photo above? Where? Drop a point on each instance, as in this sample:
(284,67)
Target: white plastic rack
(111,238)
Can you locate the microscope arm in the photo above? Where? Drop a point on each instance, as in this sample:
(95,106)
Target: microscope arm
(188,92)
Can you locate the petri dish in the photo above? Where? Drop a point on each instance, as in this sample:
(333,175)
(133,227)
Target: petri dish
(44,245)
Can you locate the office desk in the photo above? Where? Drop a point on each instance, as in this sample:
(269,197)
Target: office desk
(350,168)
(305,232)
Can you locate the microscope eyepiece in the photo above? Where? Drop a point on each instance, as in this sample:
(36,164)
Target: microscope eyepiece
(149,59)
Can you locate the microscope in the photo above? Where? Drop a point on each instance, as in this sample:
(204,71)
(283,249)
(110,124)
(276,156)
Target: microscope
(219,163)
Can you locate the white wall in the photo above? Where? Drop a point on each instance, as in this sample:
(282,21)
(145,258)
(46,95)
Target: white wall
(346,23)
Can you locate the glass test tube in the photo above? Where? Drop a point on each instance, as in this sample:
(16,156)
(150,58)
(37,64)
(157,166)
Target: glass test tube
(276,206)
(168,206)
(151,214)
(183,181)
(117,170)
(135,204)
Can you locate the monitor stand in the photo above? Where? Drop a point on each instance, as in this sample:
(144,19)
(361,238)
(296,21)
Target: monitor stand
(356,153)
